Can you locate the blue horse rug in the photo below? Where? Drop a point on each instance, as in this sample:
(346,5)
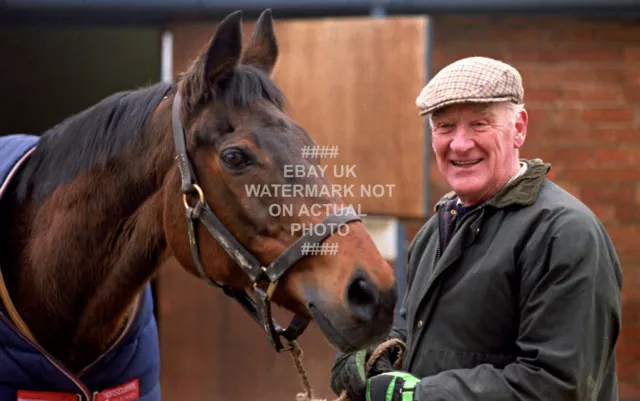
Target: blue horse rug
(129,370)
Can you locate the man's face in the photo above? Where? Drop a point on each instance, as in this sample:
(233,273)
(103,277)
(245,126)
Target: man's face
(476,147)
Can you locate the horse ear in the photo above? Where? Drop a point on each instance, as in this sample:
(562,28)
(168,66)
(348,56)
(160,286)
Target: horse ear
(262,49)
(217,62)
(224,49)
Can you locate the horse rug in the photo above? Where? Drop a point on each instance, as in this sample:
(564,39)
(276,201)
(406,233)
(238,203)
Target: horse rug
(129,370)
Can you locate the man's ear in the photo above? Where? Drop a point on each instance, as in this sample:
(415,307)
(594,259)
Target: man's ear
(521,129)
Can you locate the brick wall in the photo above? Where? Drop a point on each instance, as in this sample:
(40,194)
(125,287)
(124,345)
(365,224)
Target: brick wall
(582,91)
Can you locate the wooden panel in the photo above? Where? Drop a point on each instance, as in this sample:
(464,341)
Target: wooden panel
(352,83)
(212,350)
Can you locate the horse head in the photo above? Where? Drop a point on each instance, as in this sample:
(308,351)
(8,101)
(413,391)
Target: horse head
(248,214)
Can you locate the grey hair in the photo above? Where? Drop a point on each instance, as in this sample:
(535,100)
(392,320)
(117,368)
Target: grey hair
(515,109)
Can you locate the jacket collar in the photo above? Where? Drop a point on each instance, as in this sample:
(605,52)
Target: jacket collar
(522,191)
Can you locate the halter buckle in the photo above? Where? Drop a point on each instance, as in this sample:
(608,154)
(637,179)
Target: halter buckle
(200,196)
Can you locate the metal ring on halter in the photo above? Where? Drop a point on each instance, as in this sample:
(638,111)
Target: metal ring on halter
(271,288)
(200,195)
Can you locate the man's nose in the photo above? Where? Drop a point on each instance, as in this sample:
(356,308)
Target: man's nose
(462,141)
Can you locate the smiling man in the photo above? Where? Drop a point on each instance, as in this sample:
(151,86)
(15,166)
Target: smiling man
(514,286)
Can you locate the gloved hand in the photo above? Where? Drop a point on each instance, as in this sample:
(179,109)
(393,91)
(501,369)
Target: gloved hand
(348,371)
(391,386)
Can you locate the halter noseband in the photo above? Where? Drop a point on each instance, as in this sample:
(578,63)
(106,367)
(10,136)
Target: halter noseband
(259,310)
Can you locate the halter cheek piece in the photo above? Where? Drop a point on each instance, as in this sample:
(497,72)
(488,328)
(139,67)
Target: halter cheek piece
(261,277)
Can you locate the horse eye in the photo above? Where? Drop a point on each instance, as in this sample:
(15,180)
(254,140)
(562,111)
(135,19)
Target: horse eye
(235,158)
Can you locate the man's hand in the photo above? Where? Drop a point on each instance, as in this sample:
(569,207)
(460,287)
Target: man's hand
(391,386)
(348,372)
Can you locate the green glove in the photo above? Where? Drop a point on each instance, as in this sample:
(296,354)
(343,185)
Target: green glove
(348,371)
(348,374)
(391,386)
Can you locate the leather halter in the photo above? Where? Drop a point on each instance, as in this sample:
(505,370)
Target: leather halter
(260,309)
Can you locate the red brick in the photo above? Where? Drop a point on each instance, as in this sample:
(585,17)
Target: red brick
(592,94)
(630,333)
(627,175)
(562,75)
(631,54)
(564,54)
(617,157)
(566,33)
(570,187)
(538,116)
(631,94)
(625,237)
(591,54)
(615,115)
(620,31)
(578,174)
(628,136)
(628,390)
(568,118)
(619,194)
(543,95)
(559,156)
(603,211)
(630,309)
(571,138)
(626,369)
(441,59)
(548,154)
(552,174)
(629,350)
(638,194)
(629,214)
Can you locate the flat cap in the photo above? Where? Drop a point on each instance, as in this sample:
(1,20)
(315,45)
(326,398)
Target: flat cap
(472,79)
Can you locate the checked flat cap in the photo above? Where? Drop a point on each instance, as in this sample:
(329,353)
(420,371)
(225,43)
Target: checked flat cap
(472,79)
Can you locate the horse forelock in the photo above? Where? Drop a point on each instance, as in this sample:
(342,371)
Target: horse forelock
(240,89)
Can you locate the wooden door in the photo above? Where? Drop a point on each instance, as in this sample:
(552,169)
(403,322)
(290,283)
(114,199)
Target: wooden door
(351,83)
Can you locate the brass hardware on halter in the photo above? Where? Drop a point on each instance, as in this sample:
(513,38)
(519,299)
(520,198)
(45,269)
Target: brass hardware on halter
(270,289)
(200,195)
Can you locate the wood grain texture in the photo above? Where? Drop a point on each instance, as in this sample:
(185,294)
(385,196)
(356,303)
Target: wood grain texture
(212,350)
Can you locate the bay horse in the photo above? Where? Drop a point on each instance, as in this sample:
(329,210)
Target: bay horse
(99,202)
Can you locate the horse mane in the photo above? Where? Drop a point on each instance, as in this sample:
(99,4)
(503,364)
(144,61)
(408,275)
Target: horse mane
(104,130)
(85,139)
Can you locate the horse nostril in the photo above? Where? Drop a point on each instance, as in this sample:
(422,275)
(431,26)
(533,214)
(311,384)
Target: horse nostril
(363,297)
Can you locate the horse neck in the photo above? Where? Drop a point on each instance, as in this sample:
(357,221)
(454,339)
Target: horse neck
(90,248)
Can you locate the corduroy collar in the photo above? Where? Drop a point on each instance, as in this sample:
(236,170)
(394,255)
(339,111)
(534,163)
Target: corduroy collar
(523,190)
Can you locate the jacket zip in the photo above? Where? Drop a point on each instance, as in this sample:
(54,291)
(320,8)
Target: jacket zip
(134,316)
(85,391)
(440,234)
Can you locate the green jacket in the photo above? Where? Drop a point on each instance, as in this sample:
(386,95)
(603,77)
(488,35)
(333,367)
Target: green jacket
(524,303)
